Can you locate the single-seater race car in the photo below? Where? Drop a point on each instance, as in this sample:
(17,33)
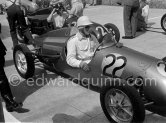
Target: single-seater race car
(129,81)
(39,27)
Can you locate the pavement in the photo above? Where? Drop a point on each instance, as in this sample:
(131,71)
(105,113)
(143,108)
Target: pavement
(62,101)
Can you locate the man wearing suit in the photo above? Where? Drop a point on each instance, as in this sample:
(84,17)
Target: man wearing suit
(130,18)
(11,104)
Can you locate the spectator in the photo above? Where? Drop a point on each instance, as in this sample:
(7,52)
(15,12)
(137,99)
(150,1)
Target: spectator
(77,8)
(6,93)
(15,14)
(130,13)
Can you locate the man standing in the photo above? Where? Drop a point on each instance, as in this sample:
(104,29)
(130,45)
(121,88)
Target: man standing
(5,90)
(76,8)
(130,18)
(15,14)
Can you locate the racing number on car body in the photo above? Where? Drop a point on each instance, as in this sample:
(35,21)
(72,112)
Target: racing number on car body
(161,67)
(113,65)
(100,29)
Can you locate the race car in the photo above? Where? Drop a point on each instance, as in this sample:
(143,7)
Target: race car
(39,27)
(128,80)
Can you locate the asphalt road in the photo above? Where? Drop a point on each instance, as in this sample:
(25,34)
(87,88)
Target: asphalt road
(63,101)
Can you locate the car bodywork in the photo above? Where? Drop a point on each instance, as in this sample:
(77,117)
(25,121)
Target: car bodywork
(111,62)
(133,65)
(145,73)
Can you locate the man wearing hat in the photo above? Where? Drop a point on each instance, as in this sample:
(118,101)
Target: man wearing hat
(81,47)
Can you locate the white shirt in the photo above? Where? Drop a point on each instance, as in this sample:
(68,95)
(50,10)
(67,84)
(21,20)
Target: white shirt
(80,49)
(59,20)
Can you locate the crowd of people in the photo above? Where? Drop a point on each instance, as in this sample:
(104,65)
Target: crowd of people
(81,47)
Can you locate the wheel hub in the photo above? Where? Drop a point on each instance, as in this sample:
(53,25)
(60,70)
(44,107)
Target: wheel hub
(119,106)
(21,62)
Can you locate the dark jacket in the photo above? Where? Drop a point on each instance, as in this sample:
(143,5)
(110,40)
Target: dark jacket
(134,3)
(2,48)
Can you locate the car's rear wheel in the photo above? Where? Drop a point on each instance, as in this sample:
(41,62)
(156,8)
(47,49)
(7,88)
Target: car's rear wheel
(163,22)
(23,60)
(114,29)
(122,104)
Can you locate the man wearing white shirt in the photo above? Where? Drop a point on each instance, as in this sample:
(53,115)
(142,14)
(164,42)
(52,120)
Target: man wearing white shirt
(81,47)
(77,8)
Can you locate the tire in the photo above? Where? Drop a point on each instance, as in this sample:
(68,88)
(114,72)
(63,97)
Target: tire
(163,22)
(25,68)
(137,106)
(114,29)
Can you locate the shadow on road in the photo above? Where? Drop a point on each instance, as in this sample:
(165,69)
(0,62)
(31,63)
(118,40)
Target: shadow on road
(22,110)
(9,63)
(5,32)
(31,85)
(139,33)
(66,118)
(164,33)
(161,110)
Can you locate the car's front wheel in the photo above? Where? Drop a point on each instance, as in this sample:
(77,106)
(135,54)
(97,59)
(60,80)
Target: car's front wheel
(23,60)
(114,30)
(163,22)
(122,104)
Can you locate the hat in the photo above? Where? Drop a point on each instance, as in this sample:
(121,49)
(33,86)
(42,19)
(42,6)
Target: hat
(83,21)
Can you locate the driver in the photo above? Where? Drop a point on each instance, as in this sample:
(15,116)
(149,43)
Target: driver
(81,47)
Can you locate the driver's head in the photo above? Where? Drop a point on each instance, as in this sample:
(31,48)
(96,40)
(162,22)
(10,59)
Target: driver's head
(83,24)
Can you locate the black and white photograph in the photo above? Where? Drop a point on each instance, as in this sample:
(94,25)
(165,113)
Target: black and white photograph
(83,61)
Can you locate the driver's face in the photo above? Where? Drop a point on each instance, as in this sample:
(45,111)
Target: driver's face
(85,30)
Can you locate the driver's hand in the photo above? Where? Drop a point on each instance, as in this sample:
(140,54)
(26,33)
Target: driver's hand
(84,66)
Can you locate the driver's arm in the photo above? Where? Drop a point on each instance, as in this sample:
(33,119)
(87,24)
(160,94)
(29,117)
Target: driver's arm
(71,53)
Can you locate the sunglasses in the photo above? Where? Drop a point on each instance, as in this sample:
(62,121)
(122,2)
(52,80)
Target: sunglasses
(85,27)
